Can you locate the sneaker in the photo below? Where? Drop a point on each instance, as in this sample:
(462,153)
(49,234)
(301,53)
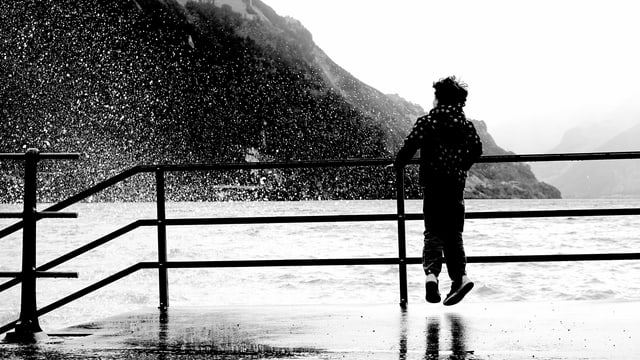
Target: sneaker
(431,285)
(458,291)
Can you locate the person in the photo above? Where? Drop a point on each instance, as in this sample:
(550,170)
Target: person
(449,145)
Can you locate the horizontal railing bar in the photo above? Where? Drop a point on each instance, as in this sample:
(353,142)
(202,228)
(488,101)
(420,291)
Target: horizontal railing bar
(280,262)
(384,162)
(79,251)
(276,219)
(42,274)
(56,274)
(620,155)
(549,258)
(11,215)
(389,217)
(268,165)
(53,156)
(56,215)
(394,261)
(551,213)
(40,214)
(11,274)
(372,217)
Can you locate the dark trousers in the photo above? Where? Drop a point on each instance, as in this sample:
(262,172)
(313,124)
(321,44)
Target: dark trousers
(443,226)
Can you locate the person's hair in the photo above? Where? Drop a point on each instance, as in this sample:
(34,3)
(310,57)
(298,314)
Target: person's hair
(450,92)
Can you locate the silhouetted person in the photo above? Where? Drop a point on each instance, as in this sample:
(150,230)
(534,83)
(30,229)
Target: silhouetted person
(449,145)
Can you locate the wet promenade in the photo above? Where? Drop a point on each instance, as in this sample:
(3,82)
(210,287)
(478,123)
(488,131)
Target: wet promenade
(512,330)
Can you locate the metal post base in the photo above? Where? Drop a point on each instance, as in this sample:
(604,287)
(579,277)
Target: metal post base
(26,334)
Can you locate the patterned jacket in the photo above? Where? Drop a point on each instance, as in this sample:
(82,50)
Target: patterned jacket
(448,143)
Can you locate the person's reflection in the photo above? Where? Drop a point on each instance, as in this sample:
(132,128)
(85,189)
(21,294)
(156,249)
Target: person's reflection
(458,338)
(433,338)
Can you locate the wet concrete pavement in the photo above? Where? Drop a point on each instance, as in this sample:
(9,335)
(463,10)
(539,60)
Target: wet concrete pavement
(512,330)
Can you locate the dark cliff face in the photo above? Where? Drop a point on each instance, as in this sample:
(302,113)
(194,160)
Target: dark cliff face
(153,81)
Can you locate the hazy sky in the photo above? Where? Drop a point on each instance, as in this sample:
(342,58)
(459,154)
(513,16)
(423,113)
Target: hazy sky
(534,68)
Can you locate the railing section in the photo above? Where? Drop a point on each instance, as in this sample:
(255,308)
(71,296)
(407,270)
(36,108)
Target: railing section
(27,325)
(27,328)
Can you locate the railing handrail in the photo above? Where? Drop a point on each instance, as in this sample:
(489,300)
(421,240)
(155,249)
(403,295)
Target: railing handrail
(307,164)
(613,155)
(402,260)
(48,156)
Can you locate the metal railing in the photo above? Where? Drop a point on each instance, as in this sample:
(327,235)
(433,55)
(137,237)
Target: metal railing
(30,216)
(28,325)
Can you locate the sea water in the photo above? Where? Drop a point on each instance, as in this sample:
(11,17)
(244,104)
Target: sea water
(555,281)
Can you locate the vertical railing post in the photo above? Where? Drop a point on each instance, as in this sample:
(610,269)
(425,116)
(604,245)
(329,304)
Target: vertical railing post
(28,327)
(402,248)
(162,241)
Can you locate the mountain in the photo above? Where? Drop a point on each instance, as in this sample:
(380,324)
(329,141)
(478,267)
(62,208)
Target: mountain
(602,130)
(610,178)
(159,81)
(587,137)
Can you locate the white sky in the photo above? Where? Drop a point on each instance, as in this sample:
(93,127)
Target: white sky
(534,68)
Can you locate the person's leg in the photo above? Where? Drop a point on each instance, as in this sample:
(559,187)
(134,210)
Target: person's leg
(452,244)
(432,265)
(431,252)
(455,256)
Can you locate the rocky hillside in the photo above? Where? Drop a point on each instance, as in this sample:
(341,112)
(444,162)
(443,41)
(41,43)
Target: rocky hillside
(157,81)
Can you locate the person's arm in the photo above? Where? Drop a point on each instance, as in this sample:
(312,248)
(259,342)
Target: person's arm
(411,143)
(474,146)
